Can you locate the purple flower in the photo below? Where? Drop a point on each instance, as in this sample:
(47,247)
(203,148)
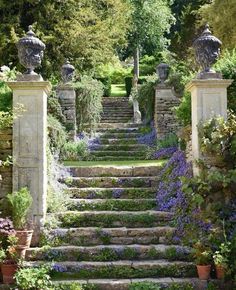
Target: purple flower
(59,268)
(116,193)
(148,139)
(164,153)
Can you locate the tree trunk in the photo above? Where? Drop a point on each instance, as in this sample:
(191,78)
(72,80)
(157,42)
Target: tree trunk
(136,62)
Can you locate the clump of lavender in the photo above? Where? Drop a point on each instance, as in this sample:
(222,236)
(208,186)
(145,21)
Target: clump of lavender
(116,193)
(6,227)
(94,143)
(148,139)
(164,153)
(170,197)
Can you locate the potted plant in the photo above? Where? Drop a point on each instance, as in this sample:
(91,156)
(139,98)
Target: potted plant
(20,203)
(221,259)
(203,258)
(8,254)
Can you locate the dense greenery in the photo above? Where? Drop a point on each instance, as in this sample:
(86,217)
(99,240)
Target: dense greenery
(89,102)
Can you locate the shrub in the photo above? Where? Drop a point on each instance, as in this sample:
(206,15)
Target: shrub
(57,135)
(147,65)
(54,108)
(5,97)
(106,81)
(146,98)
(183,111)
(33,279)
(89,102)
(226,65)
(75,150)
(128,85)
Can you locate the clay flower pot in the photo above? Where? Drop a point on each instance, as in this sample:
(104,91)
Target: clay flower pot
(8,269)
(220,271)
(24,237)
(20,251)
(204,271)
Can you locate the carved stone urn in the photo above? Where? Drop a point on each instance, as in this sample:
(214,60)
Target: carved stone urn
(207,51)
(67,72)
(30,52)
(163,70)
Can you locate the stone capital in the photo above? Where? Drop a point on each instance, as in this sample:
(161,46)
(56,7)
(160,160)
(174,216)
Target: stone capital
(30,86)
(208,83)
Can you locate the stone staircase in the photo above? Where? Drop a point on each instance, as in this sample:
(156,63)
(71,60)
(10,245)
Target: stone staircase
(116,110)
(112,234)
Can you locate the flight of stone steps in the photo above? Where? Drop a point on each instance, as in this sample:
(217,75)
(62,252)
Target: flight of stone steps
(116,110)
(112,234)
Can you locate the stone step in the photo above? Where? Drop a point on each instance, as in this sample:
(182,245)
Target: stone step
(116,171)
(136,219)
(111,204)
(117,125)
(120,141)
(120,269)
(103,253)
(117,115)
(108,193)
(99,153)
(128,147)
(90,236)
(118,158)
(150,181)
(160,283)
(115,120)
(119,130)
(121,135)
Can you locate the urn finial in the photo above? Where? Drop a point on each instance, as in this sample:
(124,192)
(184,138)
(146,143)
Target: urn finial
(30,51)
(67,72)
(163,70)
(207,51)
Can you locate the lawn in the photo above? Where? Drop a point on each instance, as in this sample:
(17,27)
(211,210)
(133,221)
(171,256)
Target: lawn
(118,90)
(115,163)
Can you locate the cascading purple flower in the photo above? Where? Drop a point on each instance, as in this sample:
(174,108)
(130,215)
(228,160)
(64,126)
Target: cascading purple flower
(150,138)
(164,153)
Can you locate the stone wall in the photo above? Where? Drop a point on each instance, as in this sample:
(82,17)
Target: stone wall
(164,117)
(5,172)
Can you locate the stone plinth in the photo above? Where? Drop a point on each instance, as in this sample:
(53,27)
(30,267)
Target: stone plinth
(29,144)
(67,98)
(164,116)
(209,99)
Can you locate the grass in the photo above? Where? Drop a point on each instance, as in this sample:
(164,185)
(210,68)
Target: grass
(115,163)
(118,90)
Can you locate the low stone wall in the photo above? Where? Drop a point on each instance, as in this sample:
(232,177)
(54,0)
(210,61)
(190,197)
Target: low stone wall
(5,172)
(164,117)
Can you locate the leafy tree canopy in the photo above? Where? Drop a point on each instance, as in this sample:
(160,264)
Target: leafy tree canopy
(86,31)
(221,17)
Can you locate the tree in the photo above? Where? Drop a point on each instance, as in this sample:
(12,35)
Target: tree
(150,21)
(221,17)
(86,31)
(185,29)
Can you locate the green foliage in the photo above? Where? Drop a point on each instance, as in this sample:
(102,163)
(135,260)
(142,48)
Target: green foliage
(5,97)
(56,135)
(183,111)
(86,32)
(33,278)
(54,108)
(202,254)
(220,15)
(146,97)
(75,150)
(89,102)
(7,250)
(19,203)
(106,81)
(147,65)
(221,256)
(128,85)
(226,65)
(171,140)
(144,286)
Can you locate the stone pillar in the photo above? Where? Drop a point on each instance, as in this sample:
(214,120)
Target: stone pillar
(164,117)
(209,99)
(67,98)
(137,113)
(29,144)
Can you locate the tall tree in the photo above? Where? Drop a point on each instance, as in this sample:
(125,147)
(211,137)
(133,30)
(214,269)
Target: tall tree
(185,29)
(86,31)
(150,21)
(221,16)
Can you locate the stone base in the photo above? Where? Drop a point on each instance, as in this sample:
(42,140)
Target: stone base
(209,75)
(29,78)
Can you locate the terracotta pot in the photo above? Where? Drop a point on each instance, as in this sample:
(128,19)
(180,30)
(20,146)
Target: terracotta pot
(8,269)
(204,271)
(24,237)
(20,251)
(220,272)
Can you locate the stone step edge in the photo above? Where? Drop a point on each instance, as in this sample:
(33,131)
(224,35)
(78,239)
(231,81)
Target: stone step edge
(111,188)
(97,212)
(102,200)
